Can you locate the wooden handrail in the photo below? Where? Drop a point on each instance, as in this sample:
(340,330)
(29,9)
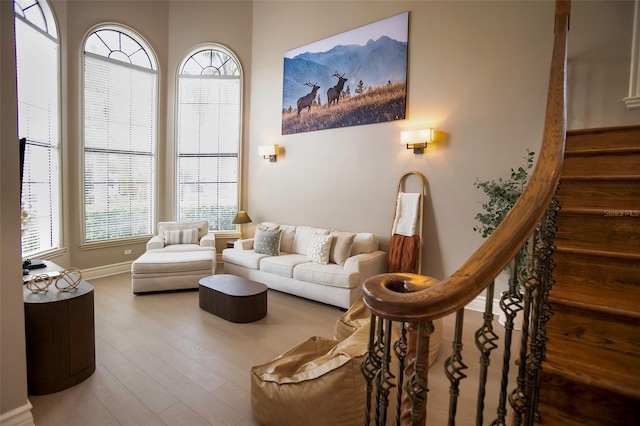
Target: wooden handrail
(400,297)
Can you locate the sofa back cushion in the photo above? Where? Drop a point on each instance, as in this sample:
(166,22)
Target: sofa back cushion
(364,242)
(341,247)
(201,225)
(287,236)
(303,237)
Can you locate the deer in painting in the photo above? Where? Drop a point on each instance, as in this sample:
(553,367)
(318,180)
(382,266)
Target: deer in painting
(333,94)
(307,100)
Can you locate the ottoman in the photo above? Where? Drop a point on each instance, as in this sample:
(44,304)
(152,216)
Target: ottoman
(159,271)
(233,298)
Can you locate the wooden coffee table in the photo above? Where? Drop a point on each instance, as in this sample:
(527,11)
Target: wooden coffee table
(233,298)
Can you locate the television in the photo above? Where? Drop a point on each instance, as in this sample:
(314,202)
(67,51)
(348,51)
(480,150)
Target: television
(23,148)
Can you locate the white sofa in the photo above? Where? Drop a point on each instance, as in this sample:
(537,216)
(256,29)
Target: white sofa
(177,258)
(353,258)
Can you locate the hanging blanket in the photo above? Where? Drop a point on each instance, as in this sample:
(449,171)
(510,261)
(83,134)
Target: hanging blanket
(403,253)
(406,218)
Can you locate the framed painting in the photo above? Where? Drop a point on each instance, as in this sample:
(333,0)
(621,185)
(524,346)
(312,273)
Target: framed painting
(353,78)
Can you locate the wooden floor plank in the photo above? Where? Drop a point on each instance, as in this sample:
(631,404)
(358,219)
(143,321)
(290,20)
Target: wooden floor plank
(181,415)
(121,403)
(144,387)
(205,404)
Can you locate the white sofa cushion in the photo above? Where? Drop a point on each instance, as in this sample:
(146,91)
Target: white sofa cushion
(247,258)
(341,247)
(173,248)
(201,225)
(287,236)
(163,262)
(364,242)
(282,265)
(332,275)
(303,237)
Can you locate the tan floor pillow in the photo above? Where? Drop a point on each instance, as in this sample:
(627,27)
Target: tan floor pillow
(317,382)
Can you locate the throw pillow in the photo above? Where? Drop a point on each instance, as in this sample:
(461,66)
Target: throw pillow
(319,249)
(267,241)
(182,236)
(341,247)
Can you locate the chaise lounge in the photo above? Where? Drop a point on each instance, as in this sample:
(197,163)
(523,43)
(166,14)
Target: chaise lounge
(176,258)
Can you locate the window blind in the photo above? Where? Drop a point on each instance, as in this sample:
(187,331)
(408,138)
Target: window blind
(38,122)
(119,149)
(208,144)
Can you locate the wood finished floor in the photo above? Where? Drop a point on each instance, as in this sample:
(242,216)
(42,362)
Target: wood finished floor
(161,360)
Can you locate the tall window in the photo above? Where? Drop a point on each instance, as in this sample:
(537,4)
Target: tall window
(209,94)
(120,89)
(37,66)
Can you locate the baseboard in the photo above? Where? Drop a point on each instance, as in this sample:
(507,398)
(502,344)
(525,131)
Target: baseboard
(478,304)
(20,416)
(106,270)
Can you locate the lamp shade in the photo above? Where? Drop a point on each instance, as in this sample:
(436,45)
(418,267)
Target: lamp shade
(267,150)
(241,217)
(410,137)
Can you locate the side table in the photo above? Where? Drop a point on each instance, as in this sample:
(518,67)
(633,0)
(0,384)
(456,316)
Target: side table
(60,336)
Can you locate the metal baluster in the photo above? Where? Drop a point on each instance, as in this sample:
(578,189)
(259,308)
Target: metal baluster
(417,368)
(454,368)
(400,348)
(485,339)
(369,366)
(379,352)
(511,304)
(385,377)
(545,265)
(519,399)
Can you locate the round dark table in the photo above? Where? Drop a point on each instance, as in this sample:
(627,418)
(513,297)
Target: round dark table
(60,336)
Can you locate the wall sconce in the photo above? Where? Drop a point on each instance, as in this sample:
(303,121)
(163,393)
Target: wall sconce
(269,151)
(417,139)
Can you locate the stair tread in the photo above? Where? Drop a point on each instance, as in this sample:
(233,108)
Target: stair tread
(568,246)
(614,372)
(601,151)
(611,250)
(615,137)
(597,301)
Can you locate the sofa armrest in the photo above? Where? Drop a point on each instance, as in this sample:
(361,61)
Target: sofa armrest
(208,240)
(367,264)
(246,244)
(156,242)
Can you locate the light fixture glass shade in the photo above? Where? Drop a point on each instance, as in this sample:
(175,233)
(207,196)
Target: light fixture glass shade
(267,150)
(241,217)
(410,137)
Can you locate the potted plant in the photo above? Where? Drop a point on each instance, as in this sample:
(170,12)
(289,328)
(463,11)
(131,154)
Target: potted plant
(502,195)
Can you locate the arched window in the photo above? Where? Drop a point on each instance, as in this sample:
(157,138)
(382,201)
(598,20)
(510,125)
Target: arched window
(208,140)
(38,74)
(120,133)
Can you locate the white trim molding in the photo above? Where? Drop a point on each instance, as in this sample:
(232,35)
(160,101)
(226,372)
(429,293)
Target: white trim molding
(633,100)
(20,416)
(106,270)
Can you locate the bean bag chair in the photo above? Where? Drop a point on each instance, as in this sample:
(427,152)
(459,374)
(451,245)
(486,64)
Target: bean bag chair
(316,383)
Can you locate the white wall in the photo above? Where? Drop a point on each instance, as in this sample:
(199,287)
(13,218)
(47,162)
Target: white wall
(477,73)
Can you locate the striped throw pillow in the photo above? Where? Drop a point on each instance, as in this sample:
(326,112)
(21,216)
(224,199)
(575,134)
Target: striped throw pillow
(183,236)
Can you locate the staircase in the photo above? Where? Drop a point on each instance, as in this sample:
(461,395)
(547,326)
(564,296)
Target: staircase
(592,372)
